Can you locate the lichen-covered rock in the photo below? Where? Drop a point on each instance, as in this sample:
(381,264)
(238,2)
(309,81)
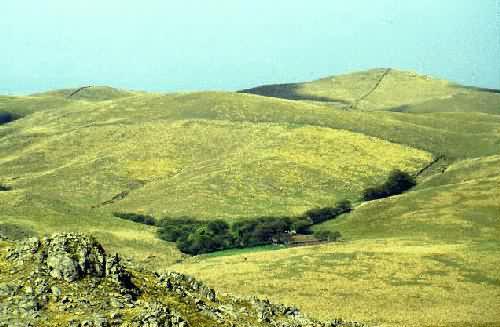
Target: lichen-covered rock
(67,256)
(63,267)
(157,315)
(73,256)
(8,289)
(187,286)
(116,272)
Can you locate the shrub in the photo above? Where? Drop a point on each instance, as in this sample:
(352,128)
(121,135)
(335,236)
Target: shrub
(5,188)
(135,217)
(260,231)
(344,206)
(302,225)
(172,230)
(397,183)
(319,215)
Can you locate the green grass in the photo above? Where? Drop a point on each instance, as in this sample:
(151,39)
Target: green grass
(424,258)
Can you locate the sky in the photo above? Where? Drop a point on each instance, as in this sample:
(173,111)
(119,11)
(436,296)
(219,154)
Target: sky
(188,45)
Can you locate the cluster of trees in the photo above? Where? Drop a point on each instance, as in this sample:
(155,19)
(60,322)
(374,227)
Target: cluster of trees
(397,183)
(319,215)
(195,237)
(135,217)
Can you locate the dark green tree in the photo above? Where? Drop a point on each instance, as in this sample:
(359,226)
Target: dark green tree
(397,183)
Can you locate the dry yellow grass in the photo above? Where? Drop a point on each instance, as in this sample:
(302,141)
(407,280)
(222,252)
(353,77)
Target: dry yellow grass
(386,282)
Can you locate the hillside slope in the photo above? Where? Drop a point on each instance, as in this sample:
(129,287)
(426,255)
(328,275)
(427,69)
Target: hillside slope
(221,149)
(384,89)
(424,258)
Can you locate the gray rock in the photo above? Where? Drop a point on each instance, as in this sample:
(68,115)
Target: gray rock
(56,292)
(73,256)
(63,267)
(120,276)
(158,315)
(67,256)
(7,289)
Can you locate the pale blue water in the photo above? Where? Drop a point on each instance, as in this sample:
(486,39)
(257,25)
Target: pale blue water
(231,44)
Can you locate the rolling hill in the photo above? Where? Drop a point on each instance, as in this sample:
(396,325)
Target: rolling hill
(69,162)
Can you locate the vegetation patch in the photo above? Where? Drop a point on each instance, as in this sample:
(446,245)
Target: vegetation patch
(194,237)
(135,217)
(15,232)
(397,183)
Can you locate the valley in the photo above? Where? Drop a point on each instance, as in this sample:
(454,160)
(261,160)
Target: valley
(426,257)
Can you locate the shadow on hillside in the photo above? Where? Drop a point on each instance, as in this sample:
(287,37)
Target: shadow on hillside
(403,108)
(7,117)
(481,89)
(289,91)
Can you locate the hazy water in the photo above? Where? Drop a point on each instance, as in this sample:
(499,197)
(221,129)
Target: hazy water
(232,44)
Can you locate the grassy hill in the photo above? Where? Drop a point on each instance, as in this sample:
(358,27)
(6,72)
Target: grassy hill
(13,108)
(69,162)
(88,93)
(166,151)
(384,89)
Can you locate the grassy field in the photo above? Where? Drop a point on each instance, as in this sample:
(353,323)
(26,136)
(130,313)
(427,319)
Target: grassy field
(425,258)
(385,282)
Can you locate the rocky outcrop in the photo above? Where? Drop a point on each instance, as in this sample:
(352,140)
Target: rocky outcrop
(69,280)
(186,286)
(157,315)
(71,257)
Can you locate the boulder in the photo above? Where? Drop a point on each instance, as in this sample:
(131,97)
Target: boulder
(73,256)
